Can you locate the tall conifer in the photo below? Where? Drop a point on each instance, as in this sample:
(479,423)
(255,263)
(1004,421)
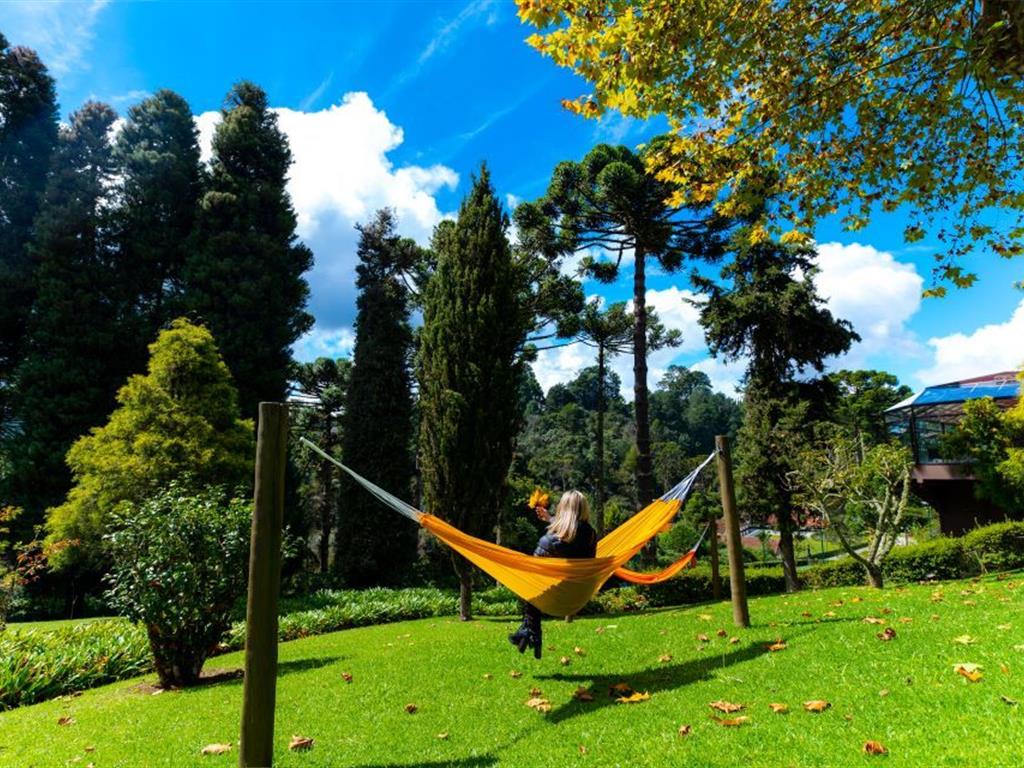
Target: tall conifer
(469,370)
(374,547)
(244,277)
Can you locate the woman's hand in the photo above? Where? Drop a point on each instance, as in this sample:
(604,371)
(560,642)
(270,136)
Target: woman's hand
(542,514)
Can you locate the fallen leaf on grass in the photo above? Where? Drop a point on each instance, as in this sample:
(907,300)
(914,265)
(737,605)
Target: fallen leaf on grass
(888,634)
(1004,627)
(817,705)
(779,709)
(633,698)
(443,735)
(565,661)
(721,633)
(874,748)
(599,630)
(829,615)
(412,709)
(725,706)
(582,694)
(964,640)
(540,704)
(971,671)
(665,658)
(535,691)
(684,730)
(884,692)
(905,619)
(346,676)
(731,722)
(620,689)
(935,617)
(1008,700)
(856,599)
(733,640)
(1004,669)
(66,720)
(873,620)
(583,749)
(806,614)
(705,616)
(703,638)
(579,651)
(300,744)
(215,749)
(488,676)
(778,645)
(515,674)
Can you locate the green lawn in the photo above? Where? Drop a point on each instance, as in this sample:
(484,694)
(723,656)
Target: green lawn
(903,692)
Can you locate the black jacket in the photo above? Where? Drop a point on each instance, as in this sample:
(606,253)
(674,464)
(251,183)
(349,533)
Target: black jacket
(584,545)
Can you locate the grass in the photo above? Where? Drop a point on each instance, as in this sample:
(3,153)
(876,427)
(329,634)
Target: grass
(51,624)
(902,693)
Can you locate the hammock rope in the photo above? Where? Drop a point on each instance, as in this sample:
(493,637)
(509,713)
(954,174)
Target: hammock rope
(556,585)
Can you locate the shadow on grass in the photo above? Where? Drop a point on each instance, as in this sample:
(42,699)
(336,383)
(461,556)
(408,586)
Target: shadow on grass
(304,665)
(664,677)
(480,761)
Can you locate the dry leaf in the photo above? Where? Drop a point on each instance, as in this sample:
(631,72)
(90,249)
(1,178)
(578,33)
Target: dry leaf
(443,735)
(733,640)
(1008,700)
(829,615)
(884,692)
(600,630)
(905,619)
(412,709)
(515,675)
(665,658)
(346,676)
(856,599)
(873,620)
(970,671)
(703,638)
(633,698)
(583,749)
(684,730)
(300,744)
(725,706)
(579,651)
(1004,669)
(620,689)
(215,749)
(731,721)
(888,634)
(934,617)
(66,720)
(964,640)
(778,645)
(582,694)
(540,704)
(721,633)
(1004,627)
(779,709)
(837,603)
(705,617)
(887,611)
(535,691)
(874,748)
(565,661)
(488,676)
(817,705)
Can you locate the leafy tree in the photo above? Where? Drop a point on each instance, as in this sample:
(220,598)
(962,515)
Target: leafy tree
(993,440)
(179,421)
(768,312)
(157,154)
(378,420)
(244,277)
(71,367)
(862,398)
(609,202)
(28,135)
(859,492)
(872,105)
(685,410)
(323,387)
(469,369)
(179,566)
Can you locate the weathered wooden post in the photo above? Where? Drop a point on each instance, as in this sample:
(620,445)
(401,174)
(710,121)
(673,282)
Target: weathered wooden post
(737,578)
(259,688)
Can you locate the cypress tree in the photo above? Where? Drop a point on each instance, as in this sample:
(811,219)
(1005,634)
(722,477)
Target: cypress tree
(244,277)
(71,369)
(157,154)
(28,135)
(375,547)
(469,370)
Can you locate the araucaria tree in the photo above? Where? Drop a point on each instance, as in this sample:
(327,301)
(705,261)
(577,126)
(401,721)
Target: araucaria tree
(28,135)
(469,370)
(378,422)
(177,422)
(157,155)
(767,312)
(874,104)
(69,374)
(243,278)
(608,202)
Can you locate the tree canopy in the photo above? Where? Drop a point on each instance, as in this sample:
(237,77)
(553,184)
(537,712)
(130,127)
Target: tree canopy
(863,105)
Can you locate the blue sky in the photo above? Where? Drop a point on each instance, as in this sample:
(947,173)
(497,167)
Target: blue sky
(397,103)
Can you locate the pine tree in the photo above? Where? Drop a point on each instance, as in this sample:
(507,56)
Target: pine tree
(71,369)
(474,326)
(374,548)
(157,154)
(28,135)
(244,277)
(768,311)
(177,422)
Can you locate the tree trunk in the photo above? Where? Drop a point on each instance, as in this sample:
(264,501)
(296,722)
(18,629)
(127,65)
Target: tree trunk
(465,573)
(874,575)
(177,665)
(644,474)
(599,495)
(716,574)
(788,555)
(326,518)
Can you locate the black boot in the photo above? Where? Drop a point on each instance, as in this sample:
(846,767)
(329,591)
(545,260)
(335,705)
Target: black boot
(520,638)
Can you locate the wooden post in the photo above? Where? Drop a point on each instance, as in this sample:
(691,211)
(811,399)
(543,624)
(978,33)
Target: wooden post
(256,748)
(737,579)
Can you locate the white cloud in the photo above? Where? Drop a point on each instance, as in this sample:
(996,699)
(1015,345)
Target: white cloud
(334,343)
(60,32)
(474,11)
(989,349)
(875,292)
(561,364)
(725,376)
(341,174)
(311,99)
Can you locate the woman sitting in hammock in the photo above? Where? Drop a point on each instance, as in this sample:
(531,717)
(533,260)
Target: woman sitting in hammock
(569,534)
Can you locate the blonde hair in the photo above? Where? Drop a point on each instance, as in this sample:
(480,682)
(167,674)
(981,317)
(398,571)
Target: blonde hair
(572,507)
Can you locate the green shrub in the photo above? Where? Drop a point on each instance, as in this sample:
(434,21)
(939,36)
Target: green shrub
(36,665)
(179,565)
(844,572)
(998,547)
(939,559)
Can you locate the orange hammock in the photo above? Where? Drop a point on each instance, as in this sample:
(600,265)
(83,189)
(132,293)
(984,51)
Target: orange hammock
(558,586)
